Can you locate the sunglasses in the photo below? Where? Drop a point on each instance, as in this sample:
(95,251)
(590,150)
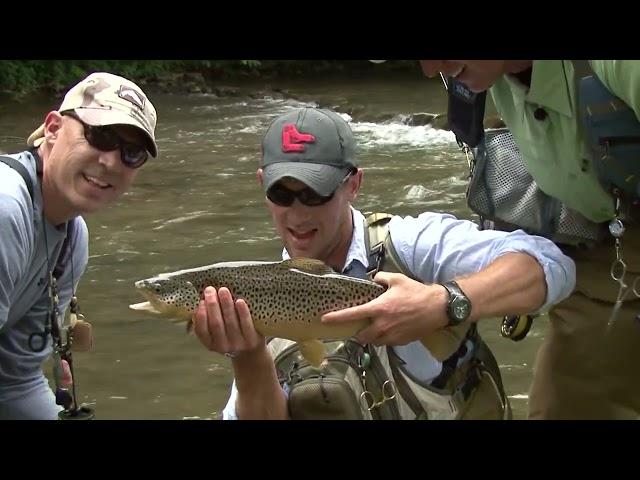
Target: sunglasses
(106,139)
(283,197)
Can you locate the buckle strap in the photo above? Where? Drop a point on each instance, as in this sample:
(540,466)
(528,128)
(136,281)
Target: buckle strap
(471,380)
(375,259)
(403,387)
(21,169)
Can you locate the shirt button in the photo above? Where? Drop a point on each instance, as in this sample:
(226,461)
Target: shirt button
(540,113)
(585,165)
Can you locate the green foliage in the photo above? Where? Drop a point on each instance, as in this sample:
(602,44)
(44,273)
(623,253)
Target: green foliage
(20,77)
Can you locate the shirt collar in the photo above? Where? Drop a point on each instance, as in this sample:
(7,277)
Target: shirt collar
(550,86)
(357,249)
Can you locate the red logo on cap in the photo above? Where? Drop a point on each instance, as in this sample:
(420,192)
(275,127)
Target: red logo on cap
(292,139)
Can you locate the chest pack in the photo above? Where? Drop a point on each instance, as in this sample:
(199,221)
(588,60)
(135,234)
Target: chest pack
(365,382)
(352,384)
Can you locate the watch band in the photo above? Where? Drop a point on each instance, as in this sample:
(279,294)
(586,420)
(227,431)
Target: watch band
(455,296)
(453,288)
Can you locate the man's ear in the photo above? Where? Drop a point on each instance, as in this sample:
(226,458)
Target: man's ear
(355,182)
(52,126)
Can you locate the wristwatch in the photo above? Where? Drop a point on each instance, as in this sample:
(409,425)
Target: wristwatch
(459,305)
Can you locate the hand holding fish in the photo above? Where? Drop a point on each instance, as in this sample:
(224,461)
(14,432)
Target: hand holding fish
(225,326)
(407,311)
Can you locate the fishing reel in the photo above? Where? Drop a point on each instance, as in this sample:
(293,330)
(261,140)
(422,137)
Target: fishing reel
(65,397)
(516,327)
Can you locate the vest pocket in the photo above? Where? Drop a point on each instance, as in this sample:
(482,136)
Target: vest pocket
(325,398)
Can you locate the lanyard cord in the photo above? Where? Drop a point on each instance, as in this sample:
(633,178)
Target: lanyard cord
(73,308)
(62,349)
(51,323)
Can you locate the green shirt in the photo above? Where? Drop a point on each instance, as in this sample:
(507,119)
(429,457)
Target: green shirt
(554,148)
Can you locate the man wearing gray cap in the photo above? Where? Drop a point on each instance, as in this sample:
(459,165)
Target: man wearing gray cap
(83,157)
(459,274)
(337,151)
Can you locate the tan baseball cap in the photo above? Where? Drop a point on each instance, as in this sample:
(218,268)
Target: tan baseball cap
(107,99)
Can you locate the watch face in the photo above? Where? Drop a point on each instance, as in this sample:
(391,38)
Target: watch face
(460,308)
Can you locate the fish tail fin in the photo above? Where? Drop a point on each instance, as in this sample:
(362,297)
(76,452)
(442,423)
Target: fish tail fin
(313,351)
(444,342)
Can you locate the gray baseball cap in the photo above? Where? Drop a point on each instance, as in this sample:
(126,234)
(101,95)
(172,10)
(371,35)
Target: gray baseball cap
(314,146)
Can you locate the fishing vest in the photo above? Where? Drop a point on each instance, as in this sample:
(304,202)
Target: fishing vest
(366,382)
(506,197)
(613,134)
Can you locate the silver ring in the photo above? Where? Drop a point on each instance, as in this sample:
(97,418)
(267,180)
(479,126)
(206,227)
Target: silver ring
(230,354)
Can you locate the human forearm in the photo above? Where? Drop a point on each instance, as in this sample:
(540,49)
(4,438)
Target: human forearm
(260,395)
(410,310)
(514,283)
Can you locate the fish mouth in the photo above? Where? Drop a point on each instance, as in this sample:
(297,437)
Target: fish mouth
(154,291)
(156,306)
(145,288)
(143,307)
(148,295)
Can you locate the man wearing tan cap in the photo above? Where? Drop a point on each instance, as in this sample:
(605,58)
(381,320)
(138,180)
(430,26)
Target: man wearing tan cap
(81,159)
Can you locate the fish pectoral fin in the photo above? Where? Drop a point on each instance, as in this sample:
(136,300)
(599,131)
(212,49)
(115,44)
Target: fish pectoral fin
(144,307)
(308,265)
(313,351)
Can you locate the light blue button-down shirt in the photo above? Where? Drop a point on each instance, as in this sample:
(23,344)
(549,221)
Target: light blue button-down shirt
(437,247)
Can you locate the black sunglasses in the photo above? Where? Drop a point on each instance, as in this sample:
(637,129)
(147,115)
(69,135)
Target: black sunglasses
(106,139)
(283,197)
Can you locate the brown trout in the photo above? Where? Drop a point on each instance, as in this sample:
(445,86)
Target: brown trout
(286,299)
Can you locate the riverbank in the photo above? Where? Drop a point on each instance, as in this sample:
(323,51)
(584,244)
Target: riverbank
(22,77)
